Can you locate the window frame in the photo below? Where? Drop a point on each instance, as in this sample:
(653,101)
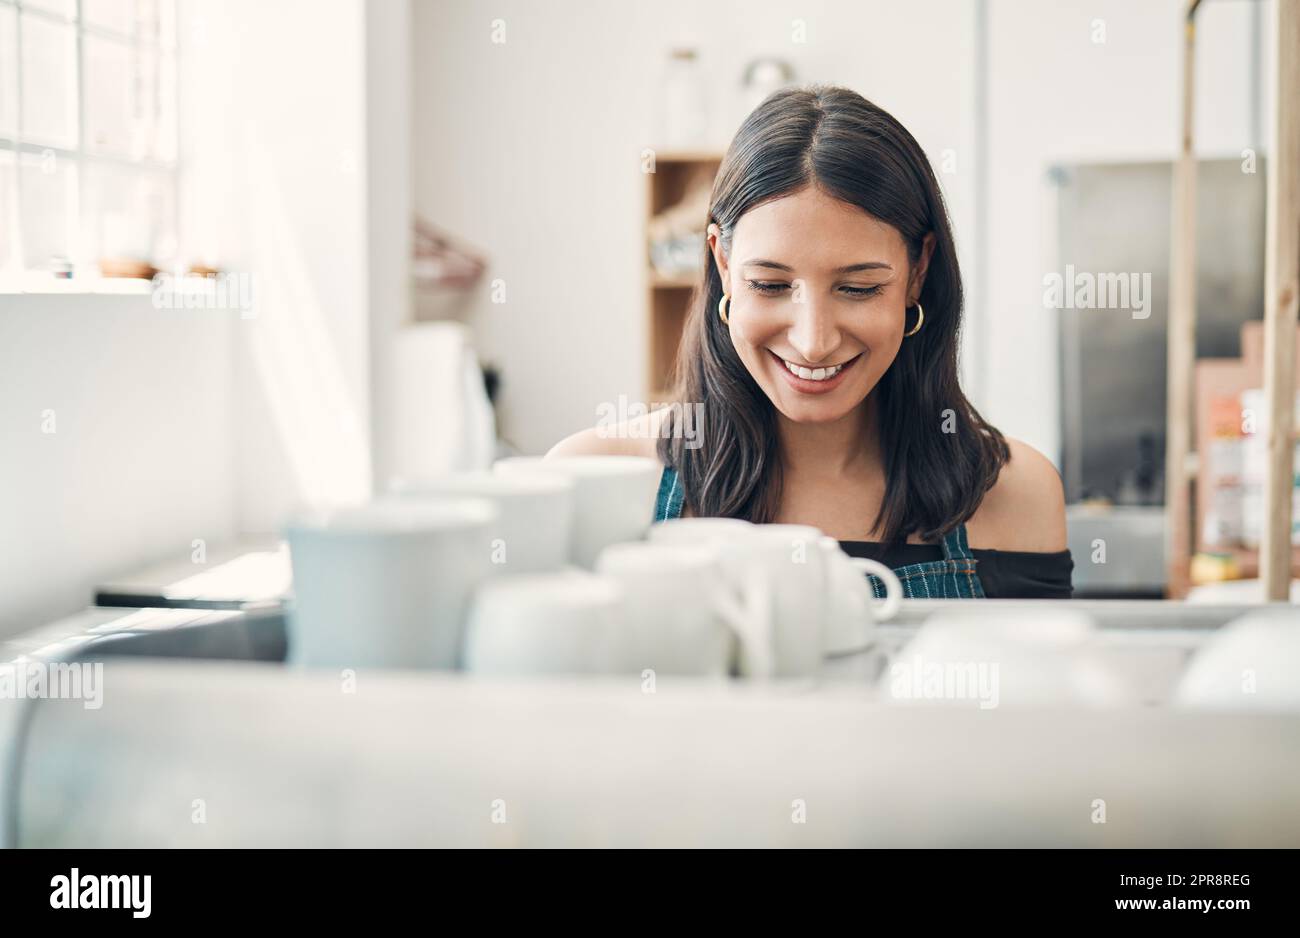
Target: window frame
(17,149)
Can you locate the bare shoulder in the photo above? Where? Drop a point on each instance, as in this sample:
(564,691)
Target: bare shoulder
(1025,509)
(637,436)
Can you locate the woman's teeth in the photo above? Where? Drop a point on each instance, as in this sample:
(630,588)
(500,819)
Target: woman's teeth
(813,374)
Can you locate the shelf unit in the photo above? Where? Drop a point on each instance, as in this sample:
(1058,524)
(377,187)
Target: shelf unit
(1216,381)
(1276,555)
(668,296)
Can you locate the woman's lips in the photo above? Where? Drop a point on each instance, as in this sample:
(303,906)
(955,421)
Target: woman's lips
(809,386)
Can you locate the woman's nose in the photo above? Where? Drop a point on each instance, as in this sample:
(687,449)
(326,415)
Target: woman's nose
(814,333)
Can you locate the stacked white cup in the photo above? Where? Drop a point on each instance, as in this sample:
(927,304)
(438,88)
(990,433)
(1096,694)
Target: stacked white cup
(477,570)
(613,497)
(534,527)
(814,597)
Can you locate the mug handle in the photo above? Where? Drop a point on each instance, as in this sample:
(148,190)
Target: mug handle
(751,621)
(888,606)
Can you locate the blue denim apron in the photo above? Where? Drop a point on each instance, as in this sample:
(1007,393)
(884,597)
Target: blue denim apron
(953,577)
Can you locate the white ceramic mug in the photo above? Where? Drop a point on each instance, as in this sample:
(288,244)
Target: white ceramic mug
(387,584)
(682,615)
(855,608)
(551,623)
(534,527)
(700,530)
(818,598)
(614,497)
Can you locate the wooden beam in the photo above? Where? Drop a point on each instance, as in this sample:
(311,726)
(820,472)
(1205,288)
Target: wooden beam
(1180,339)
(1281,301)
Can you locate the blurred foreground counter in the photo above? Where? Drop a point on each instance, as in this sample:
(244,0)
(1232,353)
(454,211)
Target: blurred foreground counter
(225,754)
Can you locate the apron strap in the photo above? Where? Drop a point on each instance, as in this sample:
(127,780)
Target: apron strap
(955,545)
(668,503)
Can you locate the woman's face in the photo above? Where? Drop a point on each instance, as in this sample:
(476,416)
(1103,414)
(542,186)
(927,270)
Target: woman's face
(819,291)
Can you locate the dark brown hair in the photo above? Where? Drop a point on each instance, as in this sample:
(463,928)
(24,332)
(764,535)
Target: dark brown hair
(940,456)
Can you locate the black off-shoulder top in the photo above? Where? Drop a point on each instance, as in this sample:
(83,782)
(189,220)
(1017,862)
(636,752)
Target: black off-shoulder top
(1004,574)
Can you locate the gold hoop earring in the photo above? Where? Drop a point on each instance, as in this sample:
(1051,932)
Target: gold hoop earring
(722,309)
(920,319)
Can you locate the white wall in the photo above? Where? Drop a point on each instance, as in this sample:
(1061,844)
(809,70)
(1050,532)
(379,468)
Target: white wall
(388,212)
(140,461)
(531,149)
(275,155)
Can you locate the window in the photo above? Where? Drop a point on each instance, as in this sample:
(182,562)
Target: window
(87,135)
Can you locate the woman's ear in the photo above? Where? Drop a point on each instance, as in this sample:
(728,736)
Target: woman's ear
(714,237)
(917,281)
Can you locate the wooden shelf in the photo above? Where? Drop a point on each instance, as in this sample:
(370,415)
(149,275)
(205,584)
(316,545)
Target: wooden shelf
(687,156)
(660,281)
(1219,384)
(668,296)
(1247,561)
(1277,557)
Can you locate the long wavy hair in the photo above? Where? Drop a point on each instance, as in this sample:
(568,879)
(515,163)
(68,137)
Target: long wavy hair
(940,456)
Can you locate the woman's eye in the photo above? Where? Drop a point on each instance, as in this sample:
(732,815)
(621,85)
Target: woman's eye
(773,287)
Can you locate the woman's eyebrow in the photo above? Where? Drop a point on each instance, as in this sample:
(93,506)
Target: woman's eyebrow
(868,265)
(848,269)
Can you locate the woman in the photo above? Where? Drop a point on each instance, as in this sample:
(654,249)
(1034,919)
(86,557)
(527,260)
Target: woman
(823,348)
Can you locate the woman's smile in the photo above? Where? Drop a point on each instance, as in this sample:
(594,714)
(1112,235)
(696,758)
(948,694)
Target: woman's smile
(813,380)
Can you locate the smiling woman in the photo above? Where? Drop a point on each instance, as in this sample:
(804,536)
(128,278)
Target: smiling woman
(823,349)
